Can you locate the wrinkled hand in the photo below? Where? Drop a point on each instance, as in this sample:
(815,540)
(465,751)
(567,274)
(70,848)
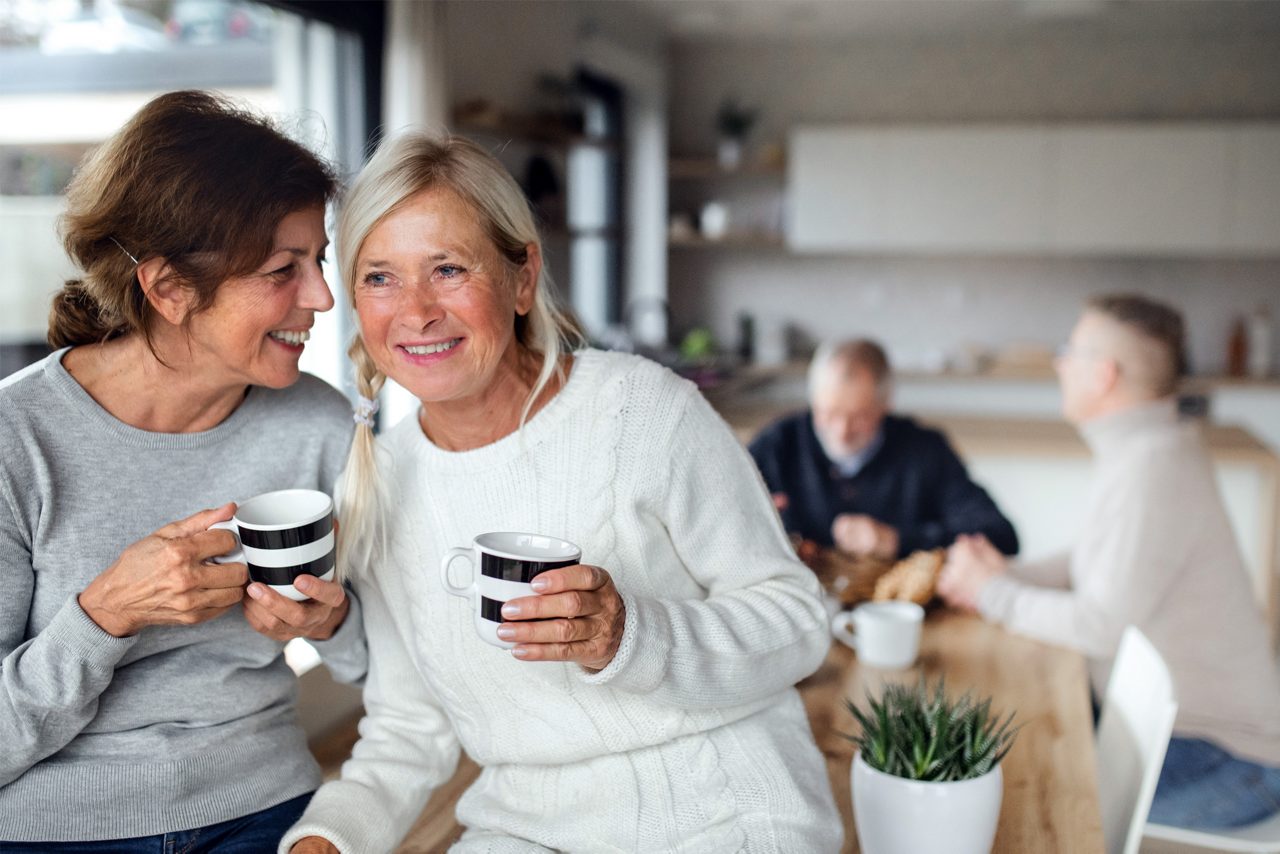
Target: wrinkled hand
(163,579)
(862,535)
(971,562)
(576,616)
(313,845)
(281,618)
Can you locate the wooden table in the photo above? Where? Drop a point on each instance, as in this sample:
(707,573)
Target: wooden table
(1050,794)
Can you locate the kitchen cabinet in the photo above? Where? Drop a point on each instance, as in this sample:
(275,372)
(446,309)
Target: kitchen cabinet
(835,193)
(918,189)
(1168,189)
(1138,189)
(1254,214)
(942,191)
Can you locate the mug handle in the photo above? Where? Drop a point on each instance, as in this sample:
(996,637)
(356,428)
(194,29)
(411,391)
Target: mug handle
(236,555)
(842,628)
(449,557)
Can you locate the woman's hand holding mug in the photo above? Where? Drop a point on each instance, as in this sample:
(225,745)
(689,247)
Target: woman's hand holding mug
(283,619)
(579,617)
(163,579)
(288,538)
(575,615)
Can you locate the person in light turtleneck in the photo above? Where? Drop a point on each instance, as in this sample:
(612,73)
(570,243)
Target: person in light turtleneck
(1156,551)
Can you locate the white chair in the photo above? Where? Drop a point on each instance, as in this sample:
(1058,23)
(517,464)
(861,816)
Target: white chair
(1260,838)
(1133,734)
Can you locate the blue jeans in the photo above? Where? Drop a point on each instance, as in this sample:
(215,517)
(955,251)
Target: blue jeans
(257,833)
(1204,787)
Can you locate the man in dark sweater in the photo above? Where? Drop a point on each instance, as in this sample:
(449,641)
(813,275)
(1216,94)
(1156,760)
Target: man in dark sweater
(846,473)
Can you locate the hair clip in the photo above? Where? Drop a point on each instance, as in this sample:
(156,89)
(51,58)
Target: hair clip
(365,410)
(125,251)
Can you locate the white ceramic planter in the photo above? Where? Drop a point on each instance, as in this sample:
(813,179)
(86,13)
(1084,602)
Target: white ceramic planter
(898,816)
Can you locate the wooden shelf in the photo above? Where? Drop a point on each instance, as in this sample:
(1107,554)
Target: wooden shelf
(700,168)
(535,133)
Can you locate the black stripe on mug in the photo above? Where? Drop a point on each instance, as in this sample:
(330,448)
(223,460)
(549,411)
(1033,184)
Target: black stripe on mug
(284,575)
(523,571)
(287,538)
(491,609)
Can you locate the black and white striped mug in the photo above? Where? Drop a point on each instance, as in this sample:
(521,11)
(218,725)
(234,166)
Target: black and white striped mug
(282,535)
(502,565)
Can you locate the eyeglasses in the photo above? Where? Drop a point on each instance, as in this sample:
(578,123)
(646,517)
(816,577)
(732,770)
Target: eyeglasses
(1067,351)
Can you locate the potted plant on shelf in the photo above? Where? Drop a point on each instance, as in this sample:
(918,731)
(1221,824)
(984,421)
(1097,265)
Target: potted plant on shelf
(926,776)
(733,123)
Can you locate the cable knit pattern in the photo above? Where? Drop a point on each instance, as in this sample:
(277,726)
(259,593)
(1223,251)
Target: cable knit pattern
(692,739)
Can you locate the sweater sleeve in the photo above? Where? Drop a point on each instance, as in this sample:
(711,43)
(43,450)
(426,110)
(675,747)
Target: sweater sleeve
(1053,571)
(407,748)
(762,626)
(1127,578)
(345,653)
(49,683)
(963,507)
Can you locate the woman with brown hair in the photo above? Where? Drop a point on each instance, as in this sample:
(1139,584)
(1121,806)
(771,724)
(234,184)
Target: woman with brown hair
(144,699)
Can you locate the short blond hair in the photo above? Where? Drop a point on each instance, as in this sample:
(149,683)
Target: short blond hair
(1160,326)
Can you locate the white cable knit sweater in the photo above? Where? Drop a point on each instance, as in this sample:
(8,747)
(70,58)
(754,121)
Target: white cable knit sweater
(692,739)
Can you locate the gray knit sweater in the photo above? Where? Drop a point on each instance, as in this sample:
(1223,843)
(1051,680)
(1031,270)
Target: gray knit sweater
(175,727)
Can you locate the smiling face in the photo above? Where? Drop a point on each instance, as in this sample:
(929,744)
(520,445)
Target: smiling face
(437,302)
(255,330)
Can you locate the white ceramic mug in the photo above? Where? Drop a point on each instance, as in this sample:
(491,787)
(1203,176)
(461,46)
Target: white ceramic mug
(502,565)
(282,535)
(884,634)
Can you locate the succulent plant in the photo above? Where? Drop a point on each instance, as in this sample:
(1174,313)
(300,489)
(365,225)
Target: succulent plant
(913,733)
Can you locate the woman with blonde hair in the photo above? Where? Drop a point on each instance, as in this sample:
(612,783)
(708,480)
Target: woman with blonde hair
(647,703)
(145,703)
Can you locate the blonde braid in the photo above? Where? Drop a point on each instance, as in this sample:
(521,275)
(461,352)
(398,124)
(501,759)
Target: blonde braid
(360,488)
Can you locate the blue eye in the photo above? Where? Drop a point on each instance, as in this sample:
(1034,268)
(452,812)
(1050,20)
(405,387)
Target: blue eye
(450,271)
(375,280)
